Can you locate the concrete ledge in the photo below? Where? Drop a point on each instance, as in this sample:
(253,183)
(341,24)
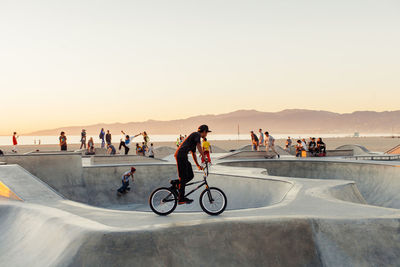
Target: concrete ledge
(249,155)
(95,160)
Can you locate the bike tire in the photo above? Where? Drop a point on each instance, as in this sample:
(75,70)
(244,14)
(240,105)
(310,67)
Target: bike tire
(204,201)
(153,201)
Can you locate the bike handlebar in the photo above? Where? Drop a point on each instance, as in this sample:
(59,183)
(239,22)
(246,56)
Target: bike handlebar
(205,168)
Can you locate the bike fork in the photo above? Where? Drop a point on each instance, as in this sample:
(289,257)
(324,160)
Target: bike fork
(209,194)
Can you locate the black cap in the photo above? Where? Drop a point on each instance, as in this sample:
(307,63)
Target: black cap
(203,128)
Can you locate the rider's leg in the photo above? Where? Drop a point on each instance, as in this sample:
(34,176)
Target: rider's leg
(186,174)
(273,149)
(122,188)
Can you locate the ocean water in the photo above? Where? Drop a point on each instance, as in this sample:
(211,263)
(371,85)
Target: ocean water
(74,139)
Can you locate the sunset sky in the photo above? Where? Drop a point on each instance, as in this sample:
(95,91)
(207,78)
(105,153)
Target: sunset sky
(66,63)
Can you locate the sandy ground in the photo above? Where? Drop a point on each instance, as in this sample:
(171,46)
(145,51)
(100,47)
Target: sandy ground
(375,144)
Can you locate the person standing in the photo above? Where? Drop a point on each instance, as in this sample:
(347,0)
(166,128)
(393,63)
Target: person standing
(146,138)
(151,151)
(261,137)
(206,146)
(15,142)
(63,141)
(270,144)
(254,141)
(83,139)
(108,137)
(101,136)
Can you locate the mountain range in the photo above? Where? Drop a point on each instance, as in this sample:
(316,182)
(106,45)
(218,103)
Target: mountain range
(286,121)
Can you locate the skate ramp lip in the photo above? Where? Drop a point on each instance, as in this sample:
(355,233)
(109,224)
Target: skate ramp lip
(378,183)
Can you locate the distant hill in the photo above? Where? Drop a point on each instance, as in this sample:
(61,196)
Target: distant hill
(286,121)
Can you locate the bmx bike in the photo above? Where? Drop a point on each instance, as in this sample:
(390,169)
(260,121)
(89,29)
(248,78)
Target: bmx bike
(164,200)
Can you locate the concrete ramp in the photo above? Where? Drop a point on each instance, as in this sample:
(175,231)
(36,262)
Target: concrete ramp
(358,150)
(24,186)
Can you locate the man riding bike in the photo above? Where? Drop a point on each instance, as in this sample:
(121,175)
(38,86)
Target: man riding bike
(185,171)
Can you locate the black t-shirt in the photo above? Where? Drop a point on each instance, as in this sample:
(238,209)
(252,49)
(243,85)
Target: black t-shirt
(189,145)
(255,138)
(108,137)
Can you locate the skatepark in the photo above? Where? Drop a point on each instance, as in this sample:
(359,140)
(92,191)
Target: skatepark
(61,209)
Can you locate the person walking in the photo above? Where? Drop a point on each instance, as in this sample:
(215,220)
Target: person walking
(83,139)
(270,144)
(101,136)
(63,141)
(15,142)
(108,137)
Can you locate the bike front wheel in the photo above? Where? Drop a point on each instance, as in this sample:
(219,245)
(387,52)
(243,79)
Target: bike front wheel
(213,201)
(163,201)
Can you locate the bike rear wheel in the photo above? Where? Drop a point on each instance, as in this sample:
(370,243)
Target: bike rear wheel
(163,201)
(213,201)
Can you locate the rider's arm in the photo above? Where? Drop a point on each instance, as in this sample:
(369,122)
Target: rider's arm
(200,150)
(195,159)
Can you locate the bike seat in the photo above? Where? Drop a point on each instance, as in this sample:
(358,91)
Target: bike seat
(174,182)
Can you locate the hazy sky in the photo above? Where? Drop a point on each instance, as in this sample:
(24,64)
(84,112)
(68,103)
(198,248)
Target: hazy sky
(82,62)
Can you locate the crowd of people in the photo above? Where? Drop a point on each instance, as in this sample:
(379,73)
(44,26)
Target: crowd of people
(143,149)
(313,148)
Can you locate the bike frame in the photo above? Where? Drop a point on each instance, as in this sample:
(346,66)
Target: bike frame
(202,183)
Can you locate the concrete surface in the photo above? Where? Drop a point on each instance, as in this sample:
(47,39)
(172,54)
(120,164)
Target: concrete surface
(288,212)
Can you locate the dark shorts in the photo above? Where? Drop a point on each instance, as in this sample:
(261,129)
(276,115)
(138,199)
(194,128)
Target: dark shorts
(64,148)
(185,170)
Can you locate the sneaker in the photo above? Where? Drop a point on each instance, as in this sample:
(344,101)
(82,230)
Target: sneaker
(185,201)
